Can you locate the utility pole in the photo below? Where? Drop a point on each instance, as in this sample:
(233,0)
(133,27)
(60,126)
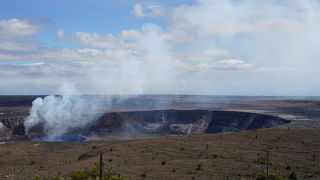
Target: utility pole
(268,163)
(101,166)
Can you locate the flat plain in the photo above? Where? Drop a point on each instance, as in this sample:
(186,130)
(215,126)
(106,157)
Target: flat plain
(294,147)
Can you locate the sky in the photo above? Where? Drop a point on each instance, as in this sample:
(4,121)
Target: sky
(209,47)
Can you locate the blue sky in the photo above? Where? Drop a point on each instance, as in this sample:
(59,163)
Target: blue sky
(86,15)
(179,47)
(98,16)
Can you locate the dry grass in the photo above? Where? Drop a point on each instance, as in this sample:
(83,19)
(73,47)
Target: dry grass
(204,156)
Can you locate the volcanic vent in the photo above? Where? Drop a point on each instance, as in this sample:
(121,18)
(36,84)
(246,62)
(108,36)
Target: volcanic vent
(166,122)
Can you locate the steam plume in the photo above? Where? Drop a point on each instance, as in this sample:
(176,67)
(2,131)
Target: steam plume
(70,110)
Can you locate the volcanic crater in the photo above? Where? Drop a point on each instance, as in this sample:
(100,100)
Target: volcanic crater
(166,122)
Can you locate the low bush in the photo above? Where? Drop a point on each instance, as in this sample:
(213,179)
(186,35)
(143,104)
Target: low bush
(293,176)
(271,176)
(88,174)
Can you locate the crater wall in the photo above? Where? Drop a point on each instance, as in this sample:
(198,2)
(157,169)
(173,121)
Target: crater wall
(156,122)
(183,122)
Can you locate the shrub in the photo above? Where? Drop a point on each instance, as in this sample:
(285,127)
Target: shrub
(89,174)
(79,175)
(199,167)
(293,176)
(112,174)
(263,176)
(214,156)
(260,160)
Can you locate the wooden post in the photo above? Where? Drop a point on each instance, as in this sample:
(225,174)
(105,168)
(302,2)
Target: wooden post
(101,166)
(268,163)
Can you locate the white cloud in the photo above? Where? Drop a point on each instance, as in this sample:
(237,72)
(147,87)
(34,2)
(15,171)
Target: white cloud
(60,34)
(17,27)
(138,11)
(22,44)
(109,41)
(151,10)
(208,18)
(232,64)
(279,25)
(207,41)
(218,52)
(131,34)
(34,64)
(97,41)
(38,69)
(227,65)
(125,39)
(275,69)
(16,35)
(158,10)
(203,55)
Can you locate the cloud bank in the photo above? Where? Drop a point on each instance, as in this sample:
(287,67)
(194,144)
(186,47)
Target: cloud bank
(269,47)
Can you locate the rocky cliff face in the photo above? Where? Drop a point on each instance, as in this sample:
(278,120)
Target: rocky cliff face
(160,122)
(11,129)
(11,123)
(226,121)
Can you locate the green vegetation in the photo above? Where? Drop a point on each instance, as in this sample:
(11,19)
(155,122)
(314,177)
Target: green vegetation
(88,174)
(271,176)
(288,168)
(144,174)
(293,176)
(262,160)
(199,167)
(214,156)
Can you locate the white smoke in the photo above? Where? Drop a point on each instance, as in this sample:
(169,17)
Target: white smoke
(147,69)
(61,113)
(71,110)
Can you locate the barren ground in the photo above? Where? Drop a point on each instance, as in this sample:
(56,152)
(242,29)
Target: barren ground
(234,155)
(239,155)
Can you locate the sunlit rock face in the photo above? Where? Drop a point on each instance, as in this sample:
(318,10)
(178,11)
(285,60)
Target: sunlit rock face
(12,129)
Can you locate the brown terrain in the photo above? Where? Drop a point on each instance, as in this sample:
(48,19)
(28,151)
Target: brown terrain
(232,146)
